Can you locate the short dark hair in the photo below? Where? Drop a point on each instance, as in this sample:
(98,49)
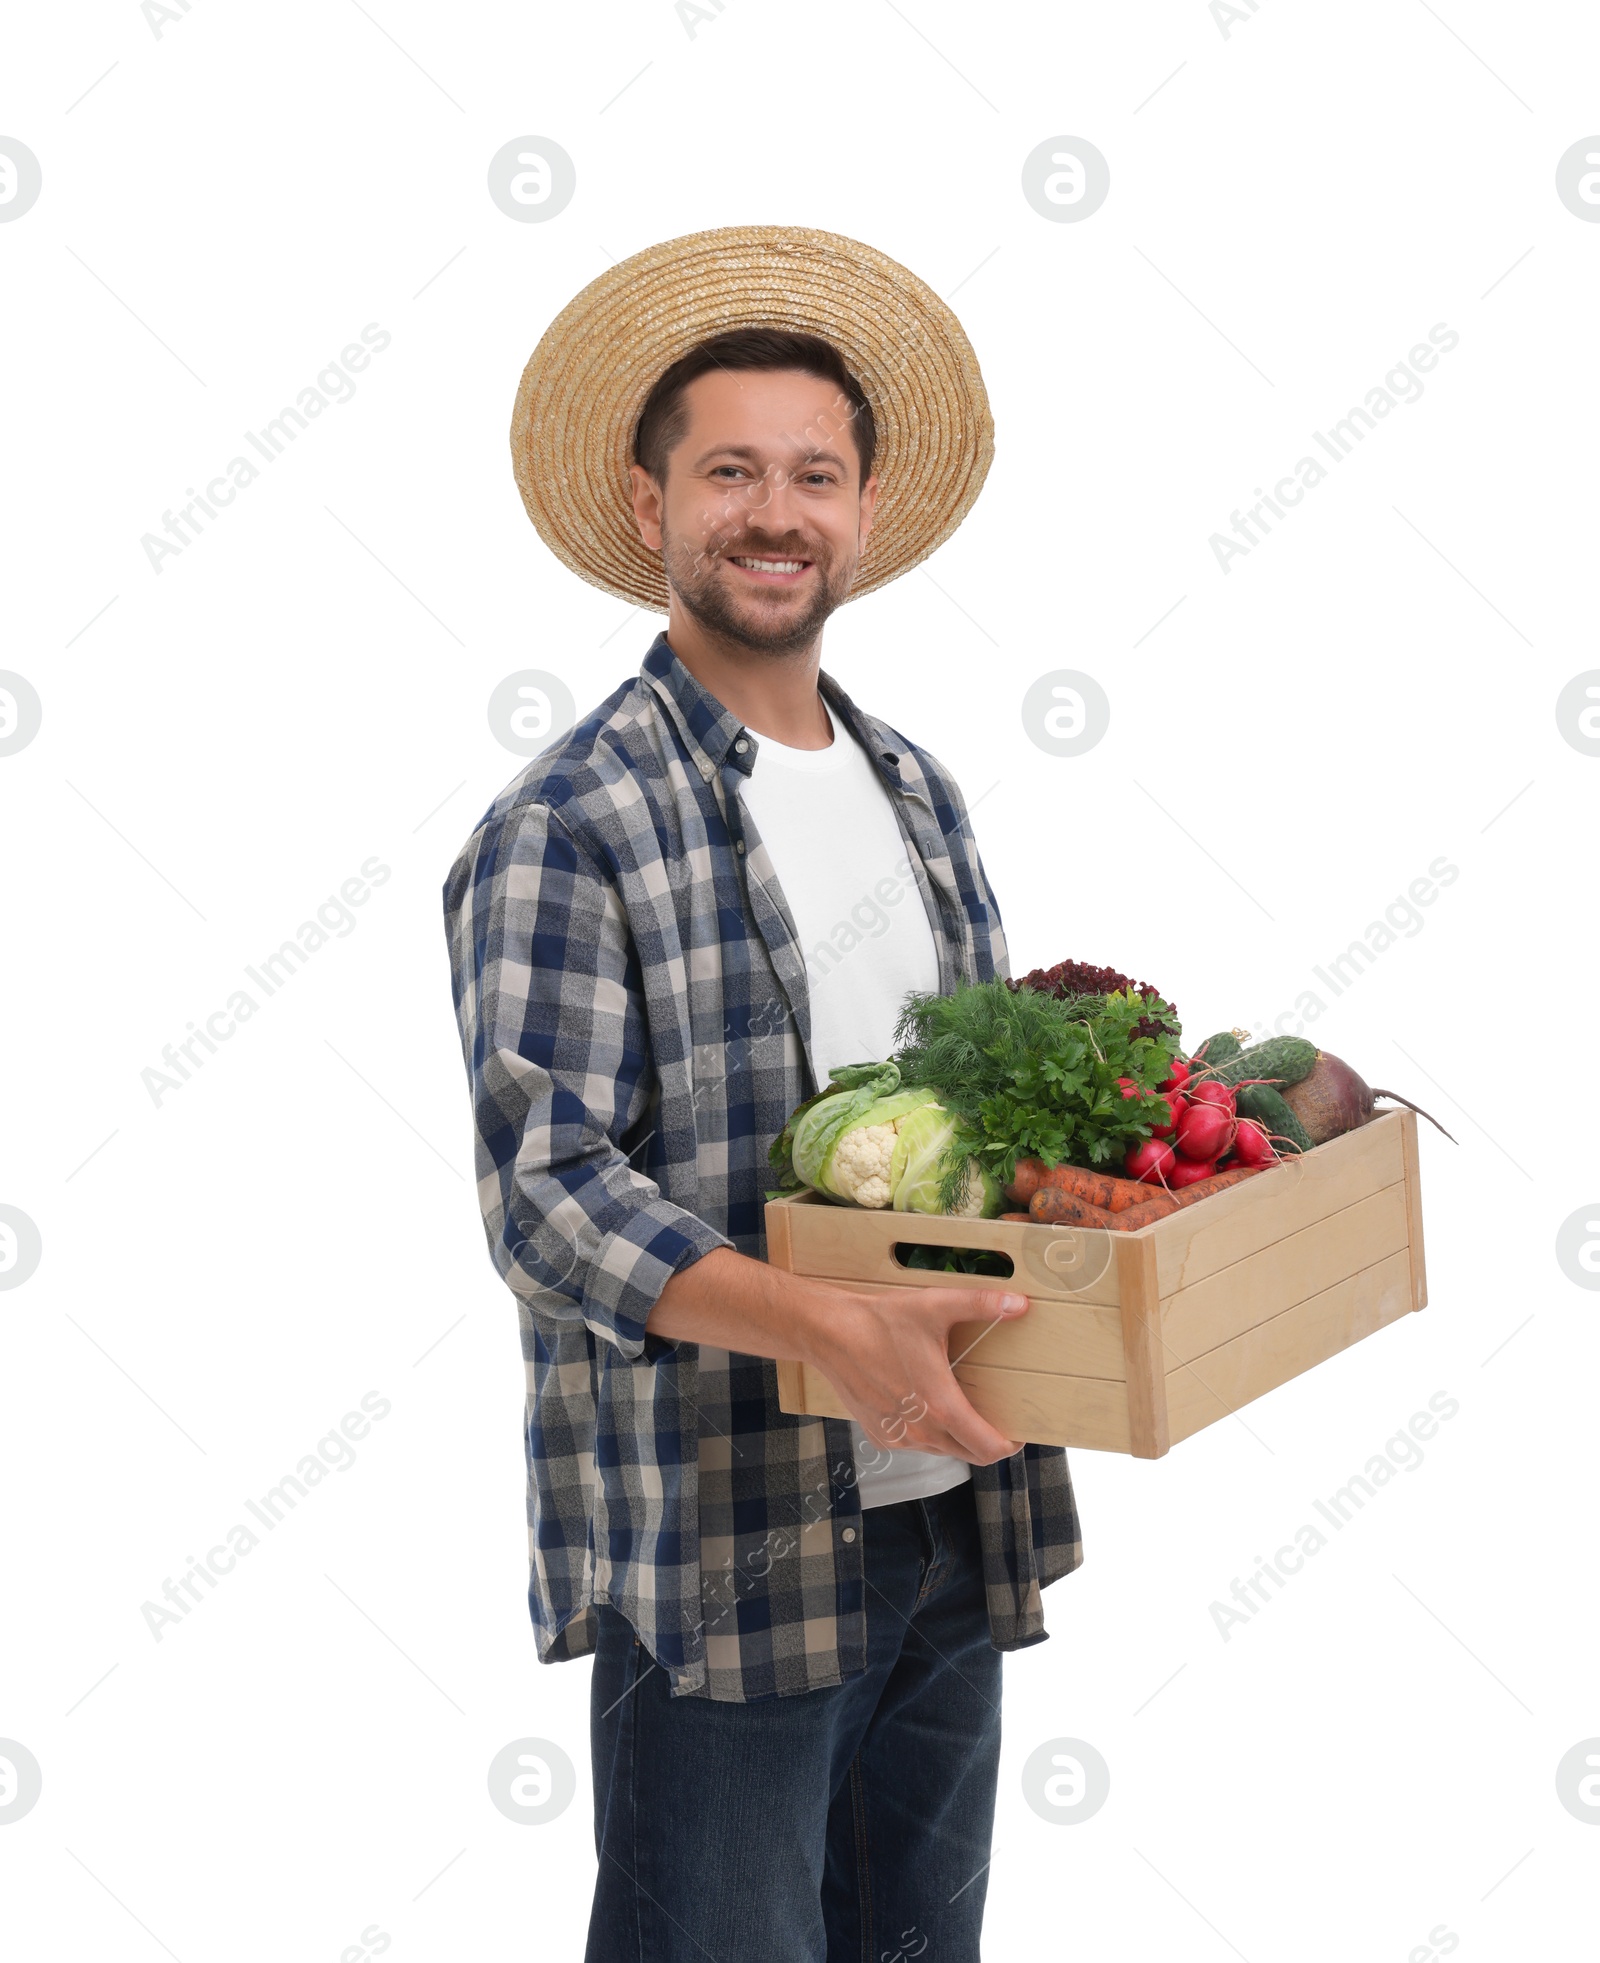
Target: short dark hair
(662,420)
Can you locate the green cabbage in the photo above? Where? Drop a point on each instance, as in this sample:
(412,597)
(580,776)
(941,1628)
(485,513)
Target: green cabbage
(922,1150)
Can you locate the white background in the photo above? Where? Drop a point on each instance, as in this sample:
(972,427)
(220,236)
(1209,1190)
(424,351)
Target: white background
(226,1274)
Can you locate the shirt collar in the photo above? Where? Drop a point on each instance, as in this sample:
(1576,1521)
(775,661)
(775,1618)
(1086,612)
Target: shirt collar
(715,736)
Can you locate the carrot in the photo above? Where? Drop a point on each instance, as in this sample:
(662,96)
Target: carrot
(1103,1188)
(1219,1182)
(1057,1207)
(1026,1181)
(1054,1204)
(1156,1207)
(1164,1201)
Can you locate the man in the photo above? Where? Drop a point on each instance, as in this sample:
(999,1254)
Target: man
(797,1622)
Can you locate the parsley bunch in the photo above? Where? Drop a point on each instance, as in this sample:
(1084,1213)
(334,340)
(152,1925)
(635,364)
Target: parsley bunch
(1029,1076)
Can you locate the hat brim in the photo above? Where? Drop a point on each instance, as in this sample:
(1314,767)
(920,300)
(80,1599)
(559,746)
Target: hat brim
(586,383)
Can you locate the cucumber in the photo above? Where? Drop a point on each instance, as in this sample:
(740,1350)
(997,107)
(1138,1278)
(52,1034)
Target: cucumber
(1262,1102)
(1285,1059)
(1215,1050)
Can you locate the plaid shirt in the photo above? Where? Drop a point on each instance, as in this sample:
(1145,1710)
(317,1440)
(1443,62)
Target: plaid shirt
(634,1018)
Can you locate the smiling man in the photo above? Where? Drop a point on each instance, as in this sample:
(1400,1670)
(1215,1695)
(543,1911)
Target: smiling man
(664,933)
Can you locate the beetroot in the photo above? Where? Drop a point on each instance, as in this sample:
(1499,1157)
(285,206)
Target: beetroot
(1332,1099)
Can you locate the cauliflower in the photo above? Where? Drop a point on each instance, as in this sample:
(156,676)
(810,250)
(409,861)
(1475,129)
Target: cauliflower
(843,1141)
(859,1168)
(975,1199)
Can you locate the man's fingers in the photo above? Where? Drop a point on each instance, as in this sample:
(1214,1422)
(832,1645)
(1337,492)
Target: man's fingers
(950,1419)
(975,1437)
(935,1415)
(951,1426)
(982,1304)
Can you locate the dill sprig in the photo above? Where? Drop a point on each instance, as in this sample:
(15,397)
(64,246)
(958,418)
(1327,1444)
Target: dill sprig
(1028,1075)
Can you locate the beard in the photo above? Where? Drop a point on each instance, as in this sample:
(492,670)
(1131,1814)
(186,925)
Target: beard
(774,621)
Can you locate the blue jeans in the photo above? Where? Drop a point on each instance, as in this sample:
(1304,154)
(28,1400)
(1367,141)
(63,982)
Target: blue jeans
(843,1825)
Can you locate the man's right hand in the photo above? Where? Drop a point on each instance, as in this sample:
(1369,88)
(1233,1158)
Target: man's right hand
(886,1352)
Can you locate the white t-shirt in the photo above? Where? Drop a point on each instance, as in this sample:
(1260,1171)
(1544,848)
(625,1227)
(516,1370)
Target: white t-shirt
(835,844)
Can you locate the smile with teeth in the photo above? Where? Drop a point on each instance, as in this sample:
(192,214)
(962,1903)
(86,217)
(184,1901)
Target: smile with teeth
(778,566)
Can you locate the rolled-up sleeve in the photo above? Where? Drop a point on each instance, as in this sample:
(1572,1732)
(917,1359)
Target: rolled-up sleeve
(550,1003)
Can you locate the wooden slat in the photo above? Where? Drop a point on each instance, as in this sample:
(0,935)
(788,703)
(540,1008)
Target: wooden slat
(1419,1265)
(792,1375)
(1039,1408)
(1264,1284)
(817,1397)
(1069,1339)
(780,1240)
(1209,1388)
(1065,1264)
(1142,1347)
(794,1388)
(1215,1233)
(1045,1410)
(1074,1339)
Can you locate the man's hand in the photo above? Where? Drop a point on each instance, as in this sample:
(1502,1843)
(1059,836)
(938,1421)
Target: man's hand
(886,1352)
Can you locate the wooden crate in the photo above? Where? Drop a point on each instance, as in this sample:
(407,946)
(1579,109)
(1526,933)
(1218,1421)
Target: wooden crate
(1133,1341)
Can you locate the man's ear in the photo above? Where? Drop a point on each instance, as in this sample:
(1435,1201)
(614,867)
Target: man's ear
(869,500)
(646,506)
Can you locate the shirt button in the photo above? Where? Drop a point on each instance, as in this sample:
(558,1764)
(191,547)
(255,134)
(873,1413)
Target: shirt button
(706,770)
(738,846)
(848,1534)
(741,746)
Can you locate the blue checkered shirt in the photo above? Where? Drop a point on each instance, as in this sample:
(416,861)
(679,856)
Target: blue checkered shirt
(634,1017)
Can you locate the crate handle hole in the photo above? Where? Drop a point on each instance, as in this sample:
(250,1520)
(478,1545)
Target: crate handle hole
(988,1262)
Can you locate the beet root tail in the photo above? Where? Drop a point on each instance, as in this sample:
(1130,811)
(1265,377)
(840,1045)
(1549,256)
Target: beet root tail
(1432,1120)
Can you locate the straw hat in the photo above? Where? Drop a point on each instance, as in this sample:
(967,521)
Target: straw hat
(586,382)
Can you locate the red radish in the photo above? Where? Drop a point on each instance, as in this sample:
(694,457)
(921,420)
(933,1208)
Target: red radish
(1251,1145)
(1128,1087)
(1176,1078)
(1177,1106)
(1151,1162)
(1205,1131)
(1212,1092)
(1187,1172)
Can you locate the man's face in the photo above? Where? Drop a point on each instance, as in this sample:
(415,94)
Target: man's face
(763,514)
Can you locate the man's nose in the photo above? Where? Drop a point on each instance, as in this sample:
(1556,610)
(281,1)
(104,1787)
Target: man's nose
(772,501)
